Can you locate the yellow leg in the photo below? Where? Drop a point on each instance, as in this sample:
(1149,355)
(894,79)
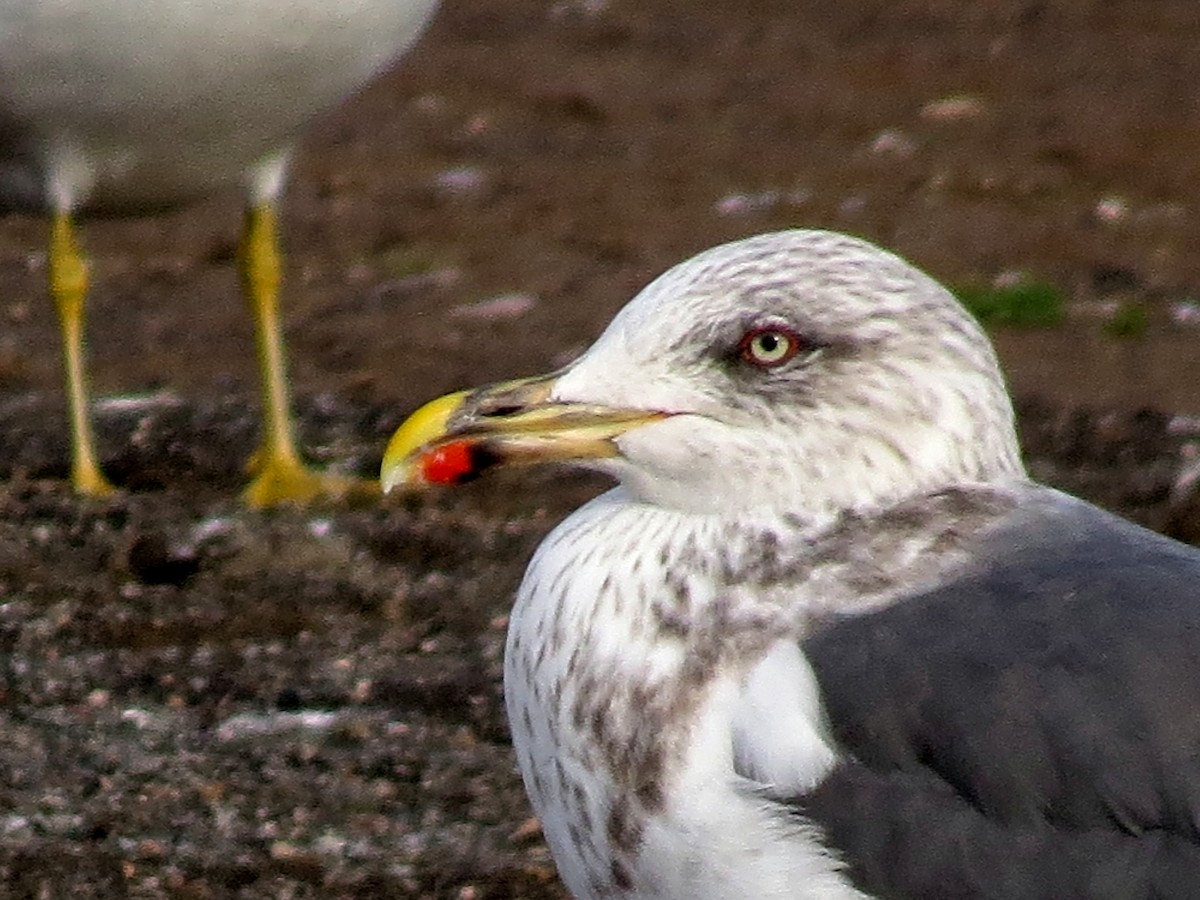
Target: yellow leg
(279,473)
(68,287)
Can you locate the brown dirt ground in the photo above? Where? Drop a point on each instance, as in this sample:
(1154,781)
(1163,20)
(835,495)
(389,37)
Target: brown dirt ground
(198,701)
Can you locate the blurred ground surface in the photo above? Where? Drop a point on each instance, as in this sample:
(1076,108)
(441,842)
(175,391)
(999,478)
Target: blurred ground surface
(197,701)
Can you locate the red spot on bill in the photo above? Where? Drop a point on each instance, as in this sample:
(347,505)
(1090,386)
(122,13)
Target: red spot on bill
(451,463)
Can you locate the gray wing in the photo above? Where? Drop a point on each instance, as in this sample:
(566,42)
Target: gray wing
(1030,730)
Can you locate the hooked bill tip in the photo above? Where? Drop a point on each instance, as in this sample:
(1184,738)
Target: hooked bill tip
(426,425)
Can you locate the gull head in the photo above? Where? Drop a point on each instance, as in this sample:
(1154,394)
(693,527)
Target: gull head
(800,373)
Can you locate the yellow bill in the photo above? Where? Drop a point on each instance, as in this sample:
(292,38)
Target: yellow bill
(456,438)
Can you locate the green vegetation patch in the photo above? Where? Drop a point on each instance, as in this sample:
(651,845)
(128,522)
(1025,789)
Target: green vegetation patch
(1025,304)
(1129,321)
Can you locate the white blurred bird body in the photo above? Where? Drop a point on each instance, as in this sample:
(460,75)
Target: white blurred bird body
(126,106)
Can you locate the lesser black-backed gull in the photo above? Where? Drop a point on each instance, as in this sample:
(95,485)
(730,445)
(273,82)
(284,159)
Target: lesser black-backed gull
(826,639)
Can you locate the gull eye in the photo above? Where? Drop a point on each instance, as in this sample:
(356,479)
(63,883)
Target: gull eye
(769,346)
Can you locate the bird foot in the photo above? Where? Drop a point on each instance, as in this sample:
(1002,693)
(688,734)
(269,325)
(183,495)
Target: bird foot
(281,480)
(89,482)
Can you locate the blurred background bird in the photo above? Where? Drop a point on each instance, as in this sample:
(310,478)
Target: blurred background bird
(115,106)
